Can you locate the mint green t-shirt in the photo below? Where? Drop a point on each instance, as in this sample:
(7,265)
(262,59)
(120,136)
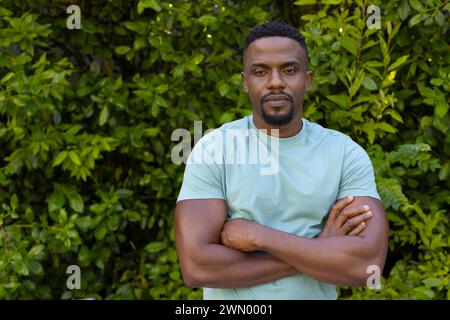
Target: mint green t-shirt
(292,192)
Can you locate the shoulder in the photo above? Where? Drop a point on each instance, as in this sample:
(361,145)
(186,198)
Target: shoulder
(212,145)
(327,135)
(216,135)
(335,140)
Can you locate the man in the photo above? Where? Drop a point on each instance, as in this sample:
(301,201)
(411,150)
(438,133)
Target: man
(273,245)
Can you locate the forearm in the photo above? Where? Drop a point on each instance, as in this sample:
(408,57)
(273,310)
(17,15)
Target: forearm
(217,266)
(341,260)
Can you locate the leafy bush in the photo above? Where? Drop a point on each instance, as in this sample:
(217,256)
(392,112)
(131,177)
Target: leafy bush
(86,118)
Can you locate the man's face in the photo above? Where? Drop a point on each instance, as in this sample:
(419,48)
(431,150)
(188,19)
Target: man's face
(276,78)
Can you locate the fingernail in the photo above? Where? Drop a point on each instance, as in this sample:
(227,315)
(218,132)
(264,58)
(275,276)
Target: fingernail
(366,208)
(363,225)
(369,213)
(350,197)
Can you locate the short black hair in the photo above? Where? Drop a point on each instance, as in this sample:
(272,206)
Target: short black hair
(276,28)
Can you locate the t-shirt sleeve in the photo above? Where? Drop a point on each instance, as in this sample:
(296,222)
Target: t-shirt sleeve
(202,179)
(357,176)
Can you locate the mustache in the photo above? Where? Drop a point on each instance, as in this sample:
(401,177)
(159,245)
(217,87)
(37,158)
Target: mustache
(287,95)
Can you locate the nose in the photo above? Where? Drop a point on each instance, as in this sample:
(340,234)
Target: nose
(275,81)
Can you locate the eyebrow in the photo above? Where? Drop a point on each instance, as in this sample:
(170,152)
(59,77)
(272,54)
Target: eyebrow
(262,65)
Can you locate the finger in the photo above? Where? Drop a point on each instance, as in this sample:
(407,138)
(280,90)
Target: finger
(337,207)
(352,223)
(357,231)
(349,213)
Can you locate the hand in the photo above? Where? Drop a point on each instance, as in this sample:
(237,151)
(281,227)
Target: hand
(346,221)
(239,234)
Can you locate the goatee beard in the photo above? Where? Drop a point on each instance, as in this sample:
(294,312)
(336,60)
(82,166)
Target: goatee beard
(277,120)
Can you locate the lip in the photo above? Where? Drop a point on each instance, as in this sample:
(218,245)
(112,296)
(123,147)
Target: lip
(276,98)
(277,101)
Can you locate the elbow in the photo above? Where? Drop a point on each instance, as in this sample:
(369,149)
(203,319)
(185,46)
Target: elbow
(191,281)
(367,273)
(369,269)
(191,274)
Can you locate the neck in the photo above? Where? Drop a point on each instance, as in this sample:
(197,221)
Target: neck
(286,131)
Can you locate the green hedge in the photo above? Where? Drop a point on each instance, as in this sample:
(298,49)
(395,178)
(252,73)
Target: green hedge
(86,118)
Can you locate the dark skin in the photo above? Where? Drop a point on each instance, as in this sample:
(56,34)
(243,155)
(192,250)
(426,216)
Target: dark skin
(207,262)
(278,66)
(214,252)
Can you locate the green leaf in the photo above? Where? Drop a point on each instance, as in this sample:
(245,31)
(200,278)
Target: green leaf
(35,267)
(85,223)
(395,115)
(8,76)
(341,100)
(385,51)
(160,101)
(84,255)
(74,129)
(439,18)
(152,132)
(113,222)
(416,5)
(197,59)
(122,50)
(3,131)
(124,193)
(350,45)
(403,10)
(369,84)
(76,202)
(305,2)
(4,12)
(104,114)
(427,92)
(224,88)
(368,128)
(432,282)
(444,173)
(394,218)
(178,71)
(74,157)
(386,127)
(434,81)
(36,250)
(207,20)
(144,4)
(415,20)
(21,268)
(100,232)
(14,201)
(139,43)
(441,108)
(133,216)
(226,117)
(55,201)
(60,158)
(155,110)
(398,62)
(155,247)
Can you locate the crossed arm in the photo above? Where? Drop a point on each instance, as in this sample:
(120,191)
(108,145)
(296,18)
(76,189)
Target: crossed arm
(213,253)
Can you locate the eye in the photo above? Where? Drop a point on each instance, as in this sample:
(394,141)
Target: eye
(290,70)
(259,72)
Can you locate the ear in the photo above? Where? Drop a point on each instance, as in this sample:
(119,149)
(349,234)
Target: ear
(244,82)
(308,80)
